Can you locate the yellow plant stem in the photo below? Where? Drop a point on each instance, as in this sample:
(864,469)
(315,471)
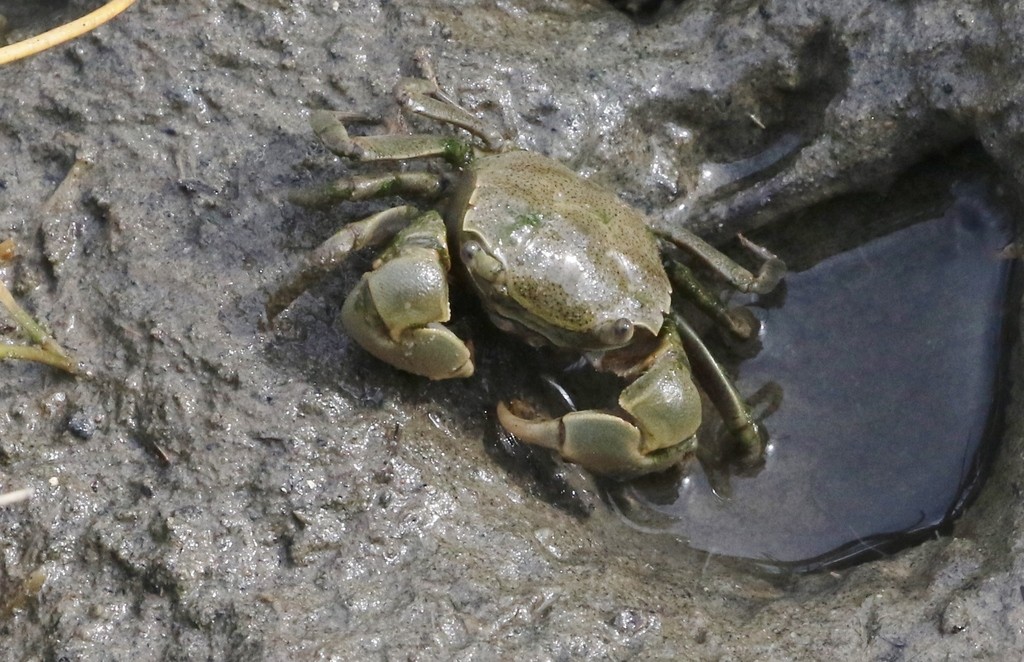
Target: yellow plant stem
(66,32)
(37,354)
(48,351)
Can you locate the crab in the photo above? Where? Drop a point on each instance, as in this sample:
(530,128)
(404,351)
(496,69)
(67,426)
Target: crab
(556,261)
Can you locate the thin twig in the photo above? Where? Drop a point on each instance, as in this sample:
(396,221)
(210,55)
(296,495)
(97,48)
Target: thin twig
(66,32)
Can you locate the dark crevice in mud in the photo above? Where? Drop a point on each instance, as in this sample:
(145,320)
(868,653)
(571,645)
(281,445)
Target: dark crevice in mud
(751,132)
(540,473)
(646,11)
(751,117)
(890,342)
(851,220)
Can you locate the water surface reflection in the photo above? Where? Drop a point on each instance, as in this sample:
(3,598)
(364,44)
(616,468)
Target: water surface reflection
(889,357)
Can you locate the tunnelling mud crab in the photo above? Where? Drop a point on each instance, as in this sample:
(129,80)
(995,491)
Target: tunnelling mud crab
(555,260)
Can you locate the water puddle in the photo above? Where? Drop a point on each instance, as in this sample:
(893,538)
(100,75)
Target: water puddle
(890,359)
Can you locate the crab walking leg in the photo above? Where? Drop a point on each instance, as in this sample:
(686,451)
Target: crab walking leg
(654,429)
(734,411)
(396,310)
(371,231)
(423,185)
(421,96)
(329,126)
(738,321)
(768,276)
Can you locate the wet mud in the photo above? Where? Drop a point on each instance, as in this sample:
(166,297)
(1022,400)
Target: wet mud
(214,488)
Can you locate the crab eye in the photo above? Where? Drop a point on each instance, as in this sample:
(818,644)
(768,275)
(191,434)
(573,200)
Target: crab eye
(617,332)
(469,250)
(479,262)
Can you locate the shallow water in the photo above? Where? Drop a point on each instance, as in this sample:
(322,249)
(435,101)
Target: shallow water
(889,358)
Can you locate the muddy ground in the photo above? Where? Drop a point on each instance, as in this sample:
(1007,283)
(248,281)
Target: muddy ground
(216,489)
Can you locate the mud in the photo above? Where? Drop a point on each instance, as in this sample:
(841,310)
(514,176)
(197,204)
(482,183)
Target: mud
(214,488)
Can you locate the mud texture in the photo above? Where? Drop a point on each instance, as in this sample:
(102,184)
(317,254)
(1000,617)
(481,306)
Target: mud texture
(216,489)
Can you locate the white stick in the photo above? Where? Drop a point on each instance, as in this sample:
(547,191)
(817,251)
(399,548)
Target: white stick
(15,496)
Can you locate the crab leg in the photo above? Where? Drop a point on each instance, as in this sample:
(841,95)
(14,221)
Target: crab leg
(329,126)
(768,276)
(734,411)
(371,231)
(422,97)
(423,185)
(739,321)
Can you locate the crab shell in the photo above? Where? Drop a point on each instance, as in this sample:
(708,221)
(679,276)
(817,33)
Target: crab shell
(555,259)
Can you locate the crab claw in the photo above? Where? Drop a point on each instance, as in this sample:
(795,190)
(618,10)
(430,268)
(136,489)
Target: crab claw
(396,310)
(653,428)
(602,443)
